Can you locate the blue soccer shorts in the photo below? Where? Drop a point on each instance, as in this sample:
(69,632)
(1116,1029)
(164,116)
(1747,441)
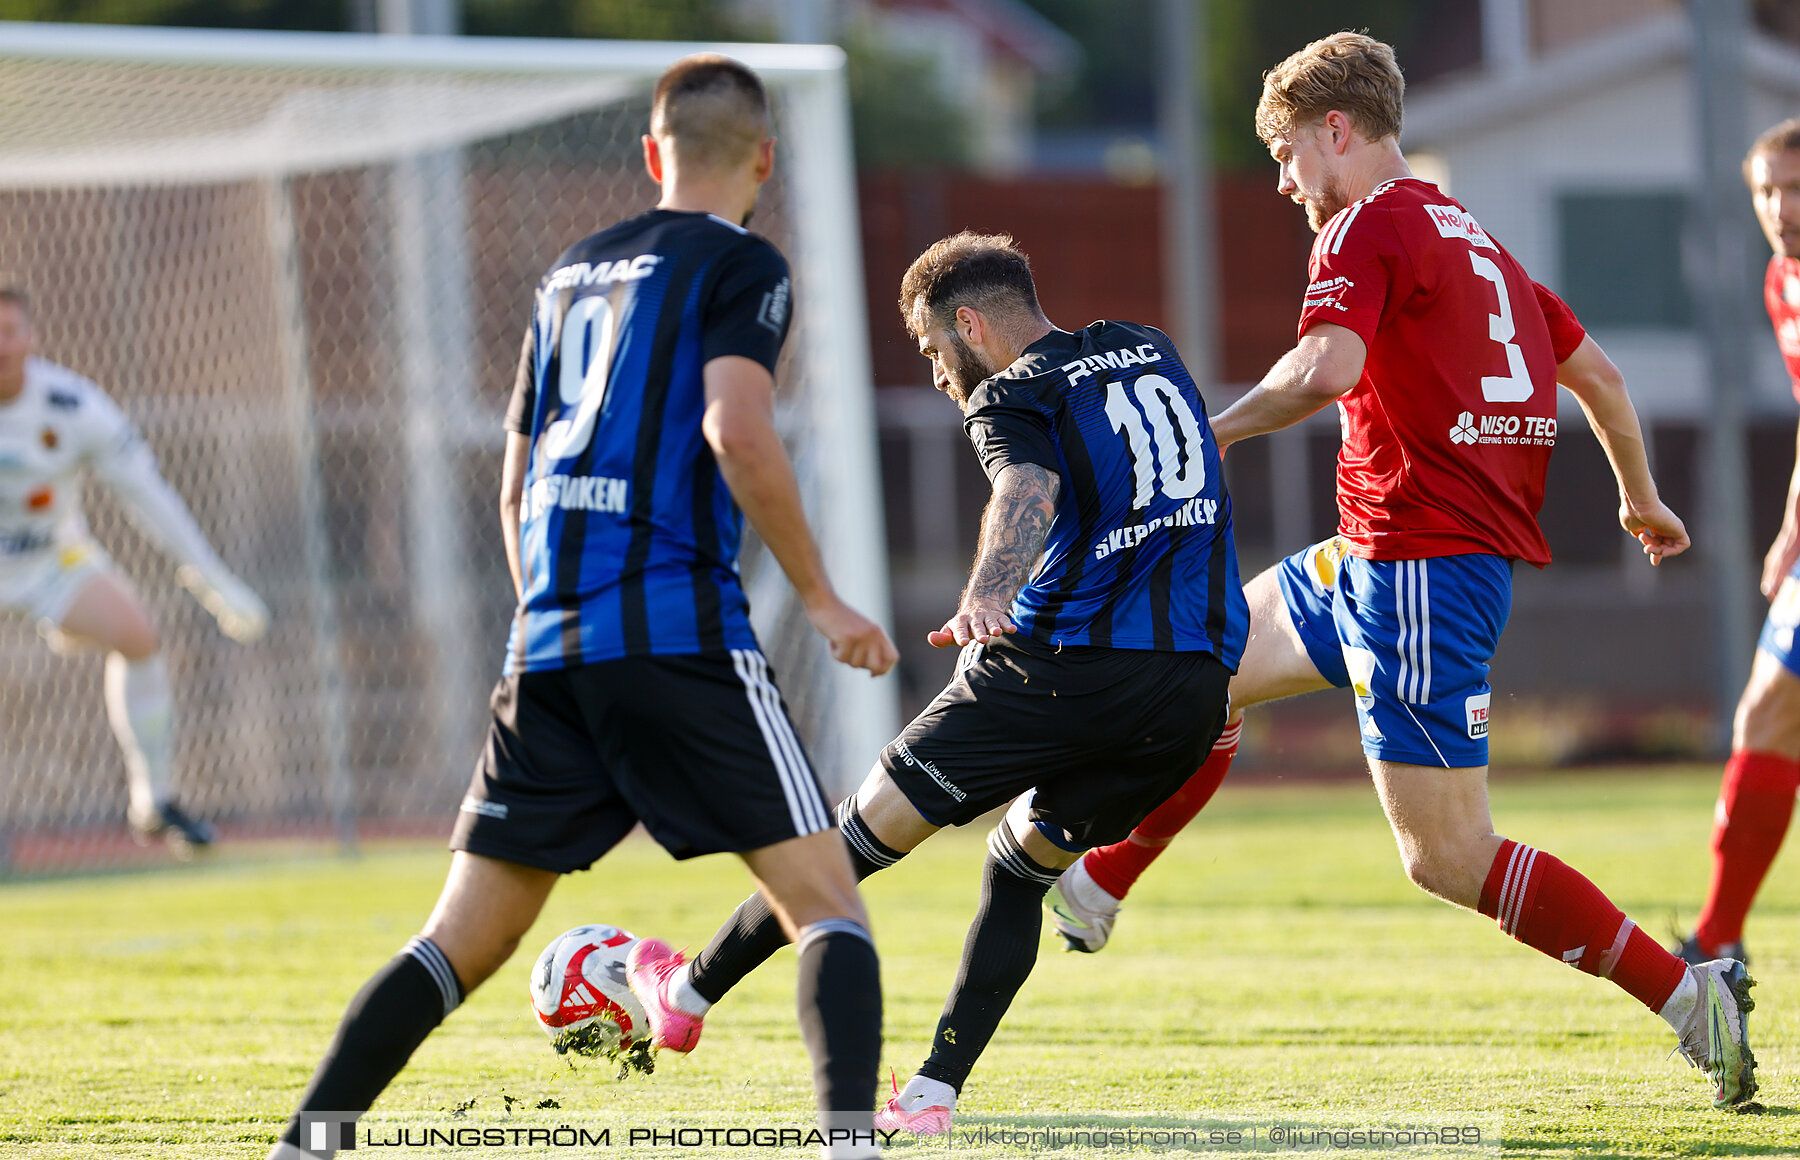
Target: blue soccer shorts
(1413,639)
(1784,616)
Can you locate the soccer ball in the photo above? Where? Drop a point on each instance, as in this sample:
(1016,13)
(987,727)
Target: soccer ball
(579,993)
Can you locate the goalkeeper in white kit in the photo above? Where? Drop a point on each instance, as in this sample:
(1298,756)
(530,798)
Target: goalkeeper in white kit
(54,425)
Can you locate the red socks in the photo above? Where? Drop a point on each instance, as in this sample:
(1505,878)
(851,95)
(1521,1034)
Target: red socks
(1756,799)
(1116,867)
(1541,902)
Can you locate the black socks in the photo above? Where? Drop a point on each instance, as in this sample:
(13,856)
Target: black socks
(753,934)
(997,957)
(839,999)
(384,1024)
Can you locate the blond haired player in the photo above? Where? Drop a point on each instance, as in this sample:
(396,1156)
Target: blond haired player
(1443,357)
(56,426)
(1756,795)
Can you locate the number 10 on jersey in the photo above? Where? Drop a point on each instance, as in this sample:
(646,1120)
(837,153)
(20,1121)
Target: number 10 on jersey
(1183,467)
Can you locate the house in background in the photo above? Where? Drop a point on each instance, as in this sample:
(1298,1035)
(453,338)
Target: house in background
(1576,147)
(989,59)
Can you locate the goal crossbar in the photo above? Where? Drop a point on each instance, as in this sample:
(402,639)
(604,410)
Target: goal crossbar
(314,234)
(375,52)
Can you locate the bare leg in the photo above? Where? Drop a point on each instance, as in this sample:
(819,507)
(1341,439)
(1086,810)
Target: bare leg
(1441,822)
(1276,663)
(1449,848)
(485,908)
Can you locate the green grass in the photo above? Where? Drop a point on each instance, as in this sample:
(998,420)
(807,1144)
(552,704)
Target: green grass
(1275,965)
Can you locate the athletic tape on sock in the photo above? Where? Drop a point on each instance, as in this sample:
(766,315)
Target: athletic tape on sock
(857,833)
(1012,857)
(814,931)
(434,962)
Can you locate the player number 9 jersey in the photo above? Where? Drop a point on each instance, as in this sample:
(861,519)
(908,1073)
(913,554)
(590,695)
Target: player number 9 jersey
(628,536)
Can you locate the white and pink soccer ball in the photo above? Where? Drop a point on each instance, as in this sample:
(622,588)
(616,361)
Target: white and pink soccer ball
(579,981)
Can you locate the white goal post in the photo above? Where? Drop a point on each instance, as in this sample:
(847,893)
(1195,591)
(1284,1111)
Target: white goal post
(301,263)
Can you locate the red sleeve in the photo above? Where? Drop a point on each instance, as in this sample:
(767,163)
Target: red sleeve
(1354,262)
(1566,331)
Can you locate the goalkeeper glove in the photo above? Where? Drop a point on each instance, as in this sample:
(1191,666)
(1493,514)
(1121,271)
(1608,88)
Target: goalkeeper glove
(241,614)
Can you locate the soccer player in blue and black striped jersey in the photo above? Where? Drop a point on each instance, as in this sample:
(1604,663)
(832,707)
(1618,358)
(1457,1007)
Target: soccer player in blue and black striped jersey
(1101,625)
(641,433)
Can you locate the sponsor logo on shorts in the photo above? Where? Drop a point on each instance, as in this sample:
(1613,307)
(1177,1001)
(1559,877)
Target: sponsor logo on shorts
(905,754)
(1476,710)
(1323,562)
(1360,664)
(1784,614)
(474,805)
(1503,430)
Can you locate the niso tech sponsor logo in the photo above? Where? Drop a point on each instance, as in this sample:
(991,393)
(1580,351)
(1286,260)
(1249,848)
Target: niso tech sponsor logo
(1503,430)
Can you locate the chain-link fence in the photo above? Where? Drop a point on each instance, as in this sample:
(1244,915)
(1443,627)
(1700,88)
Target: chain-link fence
(303,271)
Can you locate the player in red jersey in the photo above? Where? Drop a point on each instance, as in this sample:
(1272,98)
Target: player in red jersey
(1443,356)
(1756,797)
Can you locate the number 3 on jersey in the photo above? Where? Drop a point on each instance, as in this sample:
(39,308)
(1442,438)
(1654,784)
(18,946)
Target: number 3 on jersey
(1515,385)
(584,355)
(1183,467)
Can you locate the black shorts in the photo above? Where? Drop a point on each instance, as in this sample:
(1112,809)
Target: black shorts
(698,748)
(1103,735)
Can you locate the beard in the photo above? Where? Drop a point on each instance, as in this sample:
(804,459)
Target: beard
(966,373)
(1327,205)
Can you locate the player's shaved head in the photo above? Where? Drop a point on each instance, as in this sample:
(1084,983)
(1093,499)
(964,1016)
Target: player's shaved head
(1776,139)
(712,109)
(1348,72)
(987,272)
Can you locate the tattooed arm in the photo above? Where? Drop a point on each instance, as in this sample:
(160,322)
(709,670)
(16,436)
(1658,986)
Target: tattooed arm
(1013,532)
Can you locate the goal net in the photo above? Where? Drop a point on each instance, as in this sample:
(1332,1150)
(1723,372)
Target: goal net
(301,264)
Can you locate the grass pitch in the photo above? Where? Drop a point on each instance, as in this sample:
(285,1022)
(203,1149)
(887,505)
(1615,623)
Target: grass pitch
(1275,967)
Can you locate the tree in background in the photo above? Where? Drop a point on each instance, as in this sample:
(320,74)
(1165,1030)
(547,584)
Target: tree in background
(605,19)
(288,15)
(899,118)
(1117,87)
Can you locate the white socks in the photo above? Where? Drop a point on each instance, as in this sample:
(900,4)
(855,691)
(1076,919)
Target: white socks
(1679,1010)
(1087,892)
(920,1092)
(141,712)
(684,997)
